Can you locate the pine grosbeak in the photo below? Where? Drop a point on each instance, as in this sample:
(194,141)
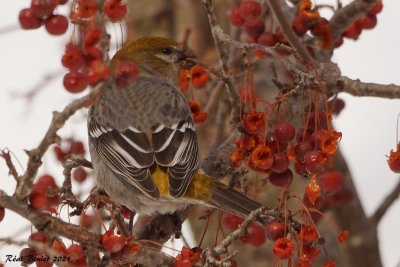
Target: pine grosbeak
(143,142)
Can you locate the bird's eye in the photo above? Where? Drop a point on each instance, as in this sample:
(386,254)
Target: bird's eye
(166,51)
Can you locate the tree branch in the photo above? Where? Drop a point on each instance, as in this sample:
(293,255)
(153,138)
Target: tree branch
(359,88)
(223,56)
(289,33)
(386,204)
(59,118)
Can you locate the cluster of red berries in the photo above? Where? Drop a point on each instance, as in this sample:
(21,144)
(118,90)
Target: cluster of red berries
(73,147)
(41,12)
(86,65)
(85,62)
(187,257)
(84,10)
(366,23)
(247,15)
(309,19)
(45,194)
(119,246)
(198,78)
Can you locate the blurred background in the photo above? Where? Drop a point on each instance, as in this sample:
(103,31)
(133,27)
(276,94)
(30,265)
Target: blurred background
(368,124)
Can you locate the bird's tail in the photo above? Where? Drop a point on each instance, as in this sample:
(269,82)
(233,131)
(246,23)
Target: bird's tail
(232,201)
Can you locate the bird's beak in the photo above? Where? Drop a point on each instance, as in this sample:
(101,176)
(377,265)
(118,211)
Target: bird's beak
(186,59)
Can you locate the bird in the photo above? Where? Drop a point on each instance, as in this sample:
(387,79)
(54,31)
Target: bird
(143,142)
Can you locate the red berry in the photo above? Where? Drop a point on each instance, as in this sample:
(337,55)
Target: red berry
(339,42)
(308,234)
(235,17)
(320,27)
(77,147)
(56,24)
(115,9)
(281,179)
(336,105)
(254,27)
(302,148)
(303,135)
(92,37)
(38,237)
(75,252)
(256,234)
(79,174)
(284,132)
(249,9)
(300,25)
(85,8)
(283,248)
(275,230)
(314,160)
(311,253)
(267,39)
(75,82)
(42,8)
(27,255)
(331,181)
(230,221)
(375,9)
(319,202)
(113,243)
(73,57)
(2,213)
(281,163)
(125,73)
(28,20)
(352,32)
(367,22)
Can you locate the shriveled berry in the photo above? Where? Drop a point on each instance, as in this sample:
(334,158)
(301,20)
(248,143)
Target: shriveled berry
(308,234)
(75,82)
(115,9)
(28,20)
(320,27)
(314,160)
(56,24)
(283,248)
(254,27)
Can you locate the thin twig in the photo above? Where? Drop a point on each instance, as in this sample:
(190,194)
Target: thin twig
(5,154)
(386,204)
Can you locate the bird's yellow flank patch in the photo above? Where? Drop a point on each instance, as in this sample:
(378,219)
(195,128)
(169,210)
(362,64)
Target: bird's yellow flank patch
(200,187)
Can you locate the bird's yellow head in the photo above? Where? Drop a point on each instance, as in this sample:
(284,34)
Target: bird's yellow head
(160,54)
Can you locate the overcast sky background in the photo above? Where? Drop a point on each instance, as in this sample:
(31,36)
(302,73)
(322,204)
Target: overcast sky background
(368,124)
